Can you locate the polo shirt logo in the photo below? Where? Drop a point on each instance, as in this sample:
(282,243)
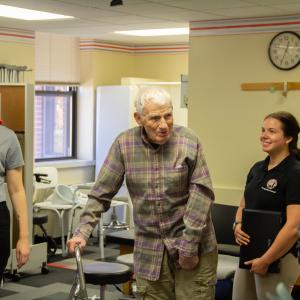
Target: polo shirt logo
(271,184)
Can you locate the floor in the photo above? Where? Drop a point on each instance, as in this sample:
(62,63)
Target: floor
(57,283)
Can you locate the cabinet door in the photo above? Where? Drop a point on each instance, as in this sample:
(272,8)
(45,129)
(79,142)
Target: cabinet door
(12,107)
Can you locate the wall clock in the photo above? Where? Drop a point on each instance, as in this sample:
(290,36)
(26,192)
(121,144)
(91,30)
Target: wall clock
(284,50)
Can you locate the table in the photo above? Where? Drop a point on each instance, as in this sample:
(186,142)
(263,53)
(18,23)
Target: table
(125,238)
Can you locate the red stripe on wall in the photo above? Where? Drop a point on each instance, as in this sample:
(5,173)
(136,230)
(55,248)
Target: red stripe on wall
(246,26)
(16,35)
(135,49)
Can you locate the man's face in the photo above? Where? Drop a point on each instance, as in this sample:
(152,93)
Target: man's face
(157,120)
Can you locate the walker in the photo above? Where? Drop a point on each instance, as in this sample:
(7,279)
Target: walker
(78,289)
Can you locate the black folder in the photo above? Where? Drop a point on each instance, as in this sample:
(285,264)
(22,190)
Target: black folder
(262,226)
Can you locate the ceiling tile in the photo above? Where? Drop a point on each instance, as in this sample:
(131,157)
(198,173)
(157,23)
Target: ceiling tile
(204,4)
(254,11)
(96,18)
(289,8)
(272,2)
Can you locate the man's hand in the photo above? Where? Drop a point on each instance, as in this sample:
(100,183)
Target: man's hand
(188,263)
(22,251)
(76,240)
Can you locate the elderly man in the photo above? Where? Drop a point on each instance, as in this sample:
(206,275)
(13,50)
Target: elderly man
(175,255)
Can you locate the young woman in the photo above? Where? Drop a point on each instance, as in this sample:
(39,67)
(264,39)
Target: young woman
(272,184)
(11,162)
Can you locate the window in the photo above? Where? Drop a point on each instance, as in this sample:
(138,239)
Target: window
(55,116)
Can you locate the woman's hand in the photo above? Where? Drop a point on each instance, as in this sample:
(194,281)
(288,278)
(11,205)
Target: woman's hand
(22,251)
(258,266)
(241,237)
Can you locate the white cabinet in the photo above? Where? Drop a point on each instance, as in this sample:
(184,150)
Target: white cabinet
(114,114)
(56,58)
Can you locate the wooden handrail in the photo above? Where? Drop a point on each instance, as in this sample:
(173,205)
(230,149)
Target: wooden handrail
(271,86)
(261,86)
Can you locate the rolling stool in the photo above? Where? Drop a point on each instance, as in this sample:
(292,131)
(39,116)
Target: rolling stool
(40,220)
(97,273)
(103,273)
(126,259)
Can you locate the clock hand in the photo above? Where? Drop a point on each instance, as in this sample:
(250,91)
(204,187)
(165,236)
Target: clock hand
(285,51)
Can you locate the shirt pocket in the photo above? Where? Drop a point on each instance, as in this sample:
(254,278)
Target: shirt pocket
(176,179)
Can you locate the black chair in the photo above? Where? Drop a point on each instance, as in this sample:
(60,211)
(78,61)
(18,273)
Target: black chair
(223,217)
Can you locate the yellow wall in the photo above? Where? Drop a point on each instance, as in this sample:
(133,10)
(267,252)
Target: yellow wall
(166,67)
(227,119)
(20,54)
(107,68)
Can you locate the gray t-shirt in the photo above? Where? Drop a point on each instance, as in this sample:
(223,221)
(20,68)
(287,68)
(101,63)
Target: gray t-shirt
(10,156)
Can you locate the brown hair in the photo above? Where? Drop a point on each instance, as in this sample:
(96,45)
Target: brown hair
(290,127)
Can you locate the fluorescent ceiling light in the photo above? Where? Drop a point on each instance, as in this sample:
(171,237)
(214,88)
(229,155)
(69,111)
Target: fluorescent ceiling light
(28,14)
(156,32)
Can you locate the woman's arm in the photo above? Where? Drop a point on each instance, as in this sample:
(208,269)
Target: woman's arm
(286,237)
(241,237)
(284,241)
(18,198)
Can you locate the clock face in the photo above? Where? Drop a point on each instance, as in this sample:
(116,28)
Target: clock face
(284,50)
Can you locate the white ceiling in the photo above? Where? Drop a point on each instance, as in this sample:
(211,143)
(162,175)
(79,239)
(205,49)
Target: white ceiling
(97,19)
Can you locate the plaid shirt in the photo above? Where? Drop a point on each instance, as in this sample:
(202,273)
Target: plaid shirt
(171,192)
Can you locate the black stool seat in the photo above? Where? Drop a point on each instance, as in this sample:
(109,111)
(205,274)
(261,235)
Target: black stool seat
(102,273)
(39,219)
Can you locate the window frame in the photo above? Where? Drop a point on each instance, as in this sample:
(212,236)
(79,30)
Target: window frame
(73,92)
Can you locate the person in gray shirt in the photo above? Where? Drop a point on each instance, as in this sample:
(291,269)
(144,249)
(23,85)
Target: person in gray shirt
(11,163)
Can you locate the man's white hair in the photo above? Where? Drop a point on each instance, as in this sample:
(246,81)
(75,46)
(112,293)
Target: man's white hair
(156,95)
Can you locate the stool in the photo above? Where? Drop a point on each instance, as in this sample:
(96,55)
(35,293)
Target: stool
(103,273)
(40,220)
(126,259)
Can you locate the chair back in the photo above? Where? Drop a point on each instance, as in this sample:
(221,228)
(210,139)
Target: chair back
(223,217)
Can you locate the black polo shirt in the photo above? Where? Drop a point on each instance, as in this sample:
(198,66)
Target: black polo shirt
(273,189)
